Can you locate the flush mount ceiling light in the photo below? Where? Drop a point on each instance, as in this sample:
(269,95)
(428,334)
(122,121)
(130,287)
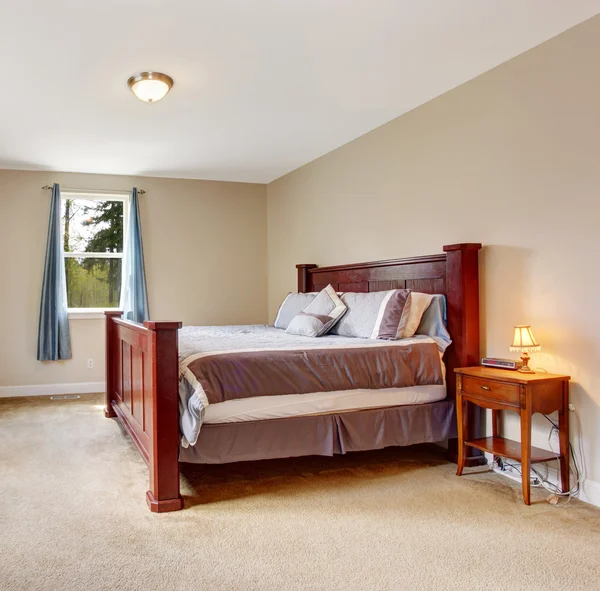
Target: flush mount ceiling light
(150,86)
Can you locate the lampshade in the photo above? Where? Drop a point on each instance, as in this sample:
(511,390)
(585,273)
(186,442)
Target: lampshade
(150,87)
(524,339)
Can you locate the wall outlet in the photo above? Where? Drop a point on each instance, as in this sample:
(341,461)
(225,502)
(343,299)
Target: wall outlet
(571,406)
(90,363)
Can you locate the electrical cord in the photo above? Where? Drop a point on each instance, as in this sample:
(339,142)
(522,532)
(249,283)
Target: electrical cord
(573,467)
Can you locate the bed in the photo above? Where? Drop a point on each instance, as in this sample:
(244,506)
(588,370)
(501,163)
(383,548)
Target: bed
(358,409)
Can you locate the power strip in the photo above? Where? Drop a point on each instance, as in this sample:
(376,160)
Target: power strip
(510,472)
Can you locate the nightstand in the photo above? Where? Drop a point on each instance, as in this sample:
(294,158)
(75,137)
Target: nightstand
(525,394)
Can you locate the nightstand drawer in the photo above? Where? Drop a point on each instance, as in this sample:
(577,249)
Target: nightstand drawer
(490,390)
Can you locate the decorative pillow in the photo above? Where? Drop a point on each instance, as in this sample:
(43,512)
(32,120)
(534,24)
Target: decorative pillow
(415,307)
(292,305)
(361,316)
(390,314)
(319,316)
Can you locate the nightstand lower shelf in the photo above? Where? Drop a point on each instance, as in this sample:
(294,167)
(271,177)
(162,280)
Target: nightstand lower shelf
(507,448)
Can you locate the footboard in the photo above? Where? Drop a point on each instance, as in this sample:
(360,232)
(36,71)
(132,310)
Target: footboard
(142,392)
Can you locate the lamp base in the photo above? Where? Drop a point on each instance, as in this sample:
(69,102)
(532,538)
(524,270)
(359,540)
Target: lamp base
(525,368)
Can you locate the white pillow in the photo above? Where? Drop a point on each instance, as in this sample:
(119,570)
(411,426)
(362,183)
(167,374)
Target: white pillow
(363,309)
(415,307)
(292,305)
(319,316)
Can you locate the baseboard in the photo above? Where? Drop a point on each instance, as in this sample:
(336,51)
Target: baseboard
(51,389)
(588,493)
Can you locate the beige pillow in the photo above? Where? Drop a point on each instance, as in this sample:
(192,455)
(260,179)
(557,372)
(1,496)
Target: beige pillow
(413,311)
(319,316)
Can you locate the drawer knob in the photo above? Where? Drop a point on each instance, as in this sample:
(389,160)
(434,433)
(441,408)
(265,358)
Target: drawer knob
(486,388)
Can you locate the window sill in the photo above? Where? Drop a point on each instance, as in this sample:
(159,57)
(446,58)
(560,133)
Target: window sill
(88,313)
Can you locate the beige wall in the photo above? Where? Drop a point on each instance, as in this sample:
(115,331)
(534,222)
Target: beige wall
(204,241)
(510,159)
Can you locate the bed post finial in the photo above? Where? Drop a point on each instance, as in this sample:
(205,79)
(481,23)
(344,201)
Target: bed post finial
(303,282)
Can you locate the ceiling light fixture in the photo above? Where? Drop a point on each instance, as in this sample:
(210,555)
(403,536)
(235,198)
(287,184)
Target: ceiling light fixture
(150,87)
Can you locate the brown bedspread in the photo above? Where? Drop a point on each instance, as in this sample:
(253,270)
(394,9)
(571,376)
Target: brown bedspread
(242,374)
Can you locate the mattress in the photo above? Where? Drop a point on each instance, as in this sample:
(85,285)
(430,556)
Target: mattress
(260,408)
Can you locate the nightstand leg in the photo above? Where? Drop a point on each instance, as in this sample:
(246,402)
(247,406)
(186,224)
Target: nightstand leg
(563,426)
(496,425)
(462,422)
(525,453)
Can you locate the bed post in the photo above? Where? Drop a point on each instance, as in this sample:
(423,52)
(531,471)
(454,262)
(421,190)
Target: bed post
(109,412)
(163,460)
(303,277)
(142,392)
(462,296)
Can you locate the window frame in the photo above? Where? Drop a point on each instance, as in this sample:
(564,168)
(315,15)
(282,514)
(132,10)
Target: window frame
(91,313)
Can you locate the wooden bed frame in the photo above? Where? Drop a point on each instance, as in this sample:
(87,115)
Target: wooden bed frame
(142,366)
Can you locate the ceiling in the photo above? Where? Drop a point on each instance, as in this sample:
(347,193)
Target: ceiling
(261,86)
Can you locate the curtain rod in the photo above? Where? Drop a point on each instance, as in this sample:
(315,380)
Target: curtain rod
(95,191)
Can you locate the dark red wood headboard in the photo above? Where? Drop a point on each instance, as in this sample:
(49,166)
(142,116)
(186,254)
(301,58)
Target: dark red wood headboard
(454,273)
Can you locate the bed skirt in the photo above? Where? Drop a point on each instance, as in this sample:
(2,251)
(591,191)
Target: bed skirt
(323,435)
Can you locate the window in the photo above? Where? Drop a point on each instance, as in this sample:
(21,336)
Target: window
(93,242)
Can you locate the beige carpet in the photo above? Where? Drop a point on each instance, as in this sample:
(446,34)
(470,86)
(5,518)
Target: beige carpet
(73,517)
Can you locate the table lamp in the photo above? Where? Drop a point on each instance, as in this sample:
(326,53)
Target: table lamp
(524,342)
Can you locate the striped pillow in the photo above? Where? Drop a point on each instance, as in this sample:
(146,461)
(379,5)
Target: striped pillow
(319,316)
(390,314)
(363,309)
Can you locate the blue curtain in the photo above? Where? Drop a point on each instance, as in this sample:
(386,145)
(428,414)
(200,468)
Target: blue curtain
(134,296)
(54,339)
